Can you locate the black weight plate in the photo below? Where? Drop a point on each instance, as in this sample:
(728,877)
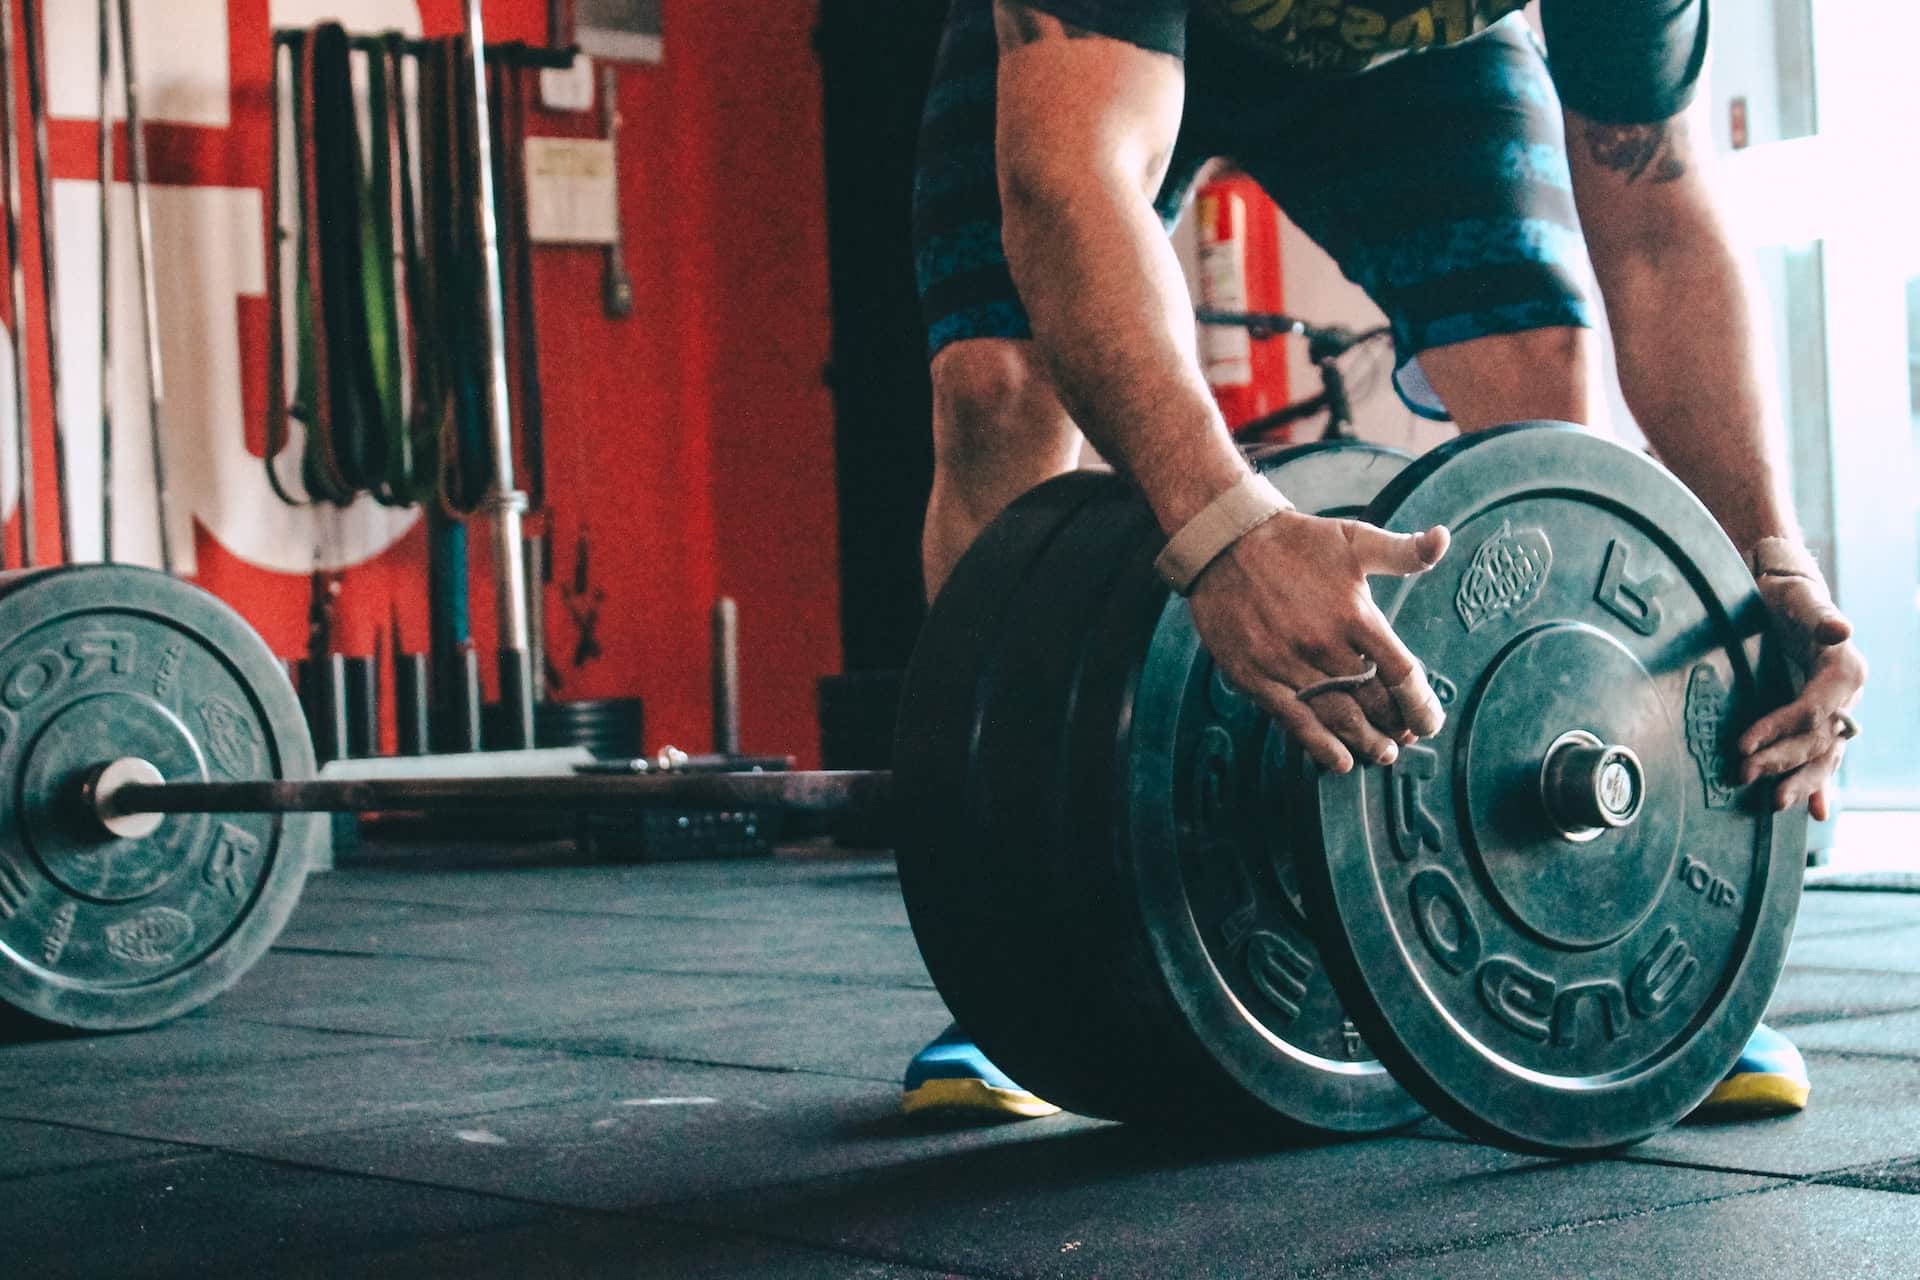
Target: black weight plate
(1054,1032)
(103,662)
(938,863)
(1200,863)
(1540,991)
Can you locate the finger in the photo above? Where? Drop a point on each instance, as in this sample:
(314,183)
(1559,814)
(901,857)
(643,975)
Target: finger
(1400,554)
(1808,784)
(1278,701)
(1381,709)
(1795,720)
(1807,605)
(1401,675)
(1820,803)
(1833,688)
(1787,755)
(1331,701)
(1341,713)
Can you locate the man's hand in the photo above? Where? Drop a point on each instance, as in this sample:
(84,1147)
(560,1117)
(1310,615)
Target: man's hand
(1287,608)
(1802,743)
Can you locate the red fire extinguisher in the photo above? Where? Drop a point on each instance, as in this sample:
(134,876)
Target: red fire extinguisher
(1240,271)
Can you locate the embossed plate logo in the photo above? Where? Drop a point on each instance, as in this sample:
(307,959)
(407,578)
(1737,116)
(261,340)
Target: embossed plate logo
(1707,702)
(1506,575)
(232,739)
(154,936)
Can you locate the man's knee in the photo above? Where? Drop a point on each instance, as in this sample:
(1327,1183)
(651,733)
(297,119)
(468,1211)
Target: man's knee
(995,411)
(1537,373)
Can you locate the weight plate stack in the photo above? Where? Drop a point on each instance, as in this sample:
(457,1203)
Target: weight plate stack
(1559,920)
(108,661)
(1015,822)
(956,906)
(1078,931)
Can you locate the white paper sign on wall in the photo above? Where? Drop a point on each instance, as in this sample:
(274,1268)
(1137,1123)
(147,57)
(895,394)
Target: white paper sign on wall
(572,193)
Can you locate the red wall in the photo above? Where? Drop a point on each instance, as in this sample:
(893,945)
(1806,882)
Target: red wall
(694,439)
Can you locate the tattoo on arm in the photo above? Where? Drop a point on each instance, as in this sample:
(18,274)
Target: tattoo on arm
(1637,150)
(1018,24)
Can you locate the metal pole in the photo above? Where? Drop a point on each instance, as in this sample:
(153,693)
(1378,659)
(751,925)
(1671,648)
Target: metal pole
(505,502)
(537,561)
(49,271)
(17,283)
(104,134)
(616,286)
(726,677)
(149,301)
(813,792)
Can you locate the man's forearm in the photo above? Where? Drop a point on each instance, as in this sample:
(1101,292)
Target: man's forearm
(1690,356)
(1113,321)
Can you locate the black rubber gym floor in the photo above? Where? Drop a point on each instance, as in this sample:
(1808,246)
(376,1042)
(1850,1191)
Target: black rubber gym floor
(691,1070)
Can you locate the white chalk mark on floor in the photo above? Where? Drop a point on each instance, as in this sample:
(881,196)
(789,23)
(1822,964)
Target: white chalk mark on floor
(484,1137)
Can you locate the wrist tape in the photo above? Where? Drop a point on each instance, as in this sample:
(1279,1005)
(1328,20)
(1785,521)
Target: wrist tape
(1250,503)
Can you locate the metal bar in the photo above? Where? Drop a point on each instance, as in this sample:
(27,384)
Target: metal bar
(812,792)
(505,502)
(616,286)
(412,719)
(149,299)
(363,707)
(726,676)
(513,52)
(458,718)
(537,562)
(49,270)
(278,427)
(17,286)
(104,136)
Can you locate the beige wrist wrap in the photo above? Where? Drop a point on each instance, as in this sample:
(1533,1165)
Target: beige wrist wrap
(1250,503)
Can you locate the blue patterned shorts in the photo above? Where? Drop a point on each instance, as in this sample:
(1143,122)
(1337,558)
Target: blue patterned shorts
(1438,182)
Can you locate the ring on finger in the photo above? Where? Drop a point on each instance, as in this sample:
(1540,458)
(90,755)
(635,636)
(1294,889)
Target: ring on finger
(1337,684)
(1849,728)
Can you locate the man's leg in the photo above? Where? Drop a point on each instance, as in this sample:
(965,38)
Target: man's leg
(998,430)
(1517,377)
(998,425)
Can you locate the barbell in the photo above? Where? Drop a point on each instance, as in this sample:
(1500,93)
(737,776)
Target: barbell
(1554,924)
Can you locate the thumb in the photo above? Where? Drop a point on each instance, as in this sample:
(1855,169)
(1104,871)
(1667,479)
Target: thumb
(1400,554)
(1831,627)
(1811,609)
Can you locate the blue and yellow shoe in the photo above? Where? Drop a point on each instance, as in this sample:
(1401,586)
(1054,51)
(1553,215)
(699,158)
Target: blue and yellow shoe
(1769,1079)
(951,1078)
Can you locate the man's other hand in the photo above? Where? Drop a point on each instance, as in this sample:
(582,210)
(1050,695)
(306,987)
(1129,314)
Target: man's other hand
(1802,743)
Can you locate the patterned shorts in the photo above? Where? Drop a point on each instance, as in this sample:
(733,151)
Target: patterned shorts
(1437,181)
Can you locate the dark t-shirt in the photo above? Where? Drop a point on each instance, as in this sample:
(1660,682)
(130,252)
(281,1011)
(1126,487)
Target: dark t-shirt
(1617,61)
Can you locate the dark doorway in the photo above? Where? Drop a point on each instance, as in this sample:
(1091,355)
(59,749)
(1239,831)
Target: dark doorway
(876,59)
